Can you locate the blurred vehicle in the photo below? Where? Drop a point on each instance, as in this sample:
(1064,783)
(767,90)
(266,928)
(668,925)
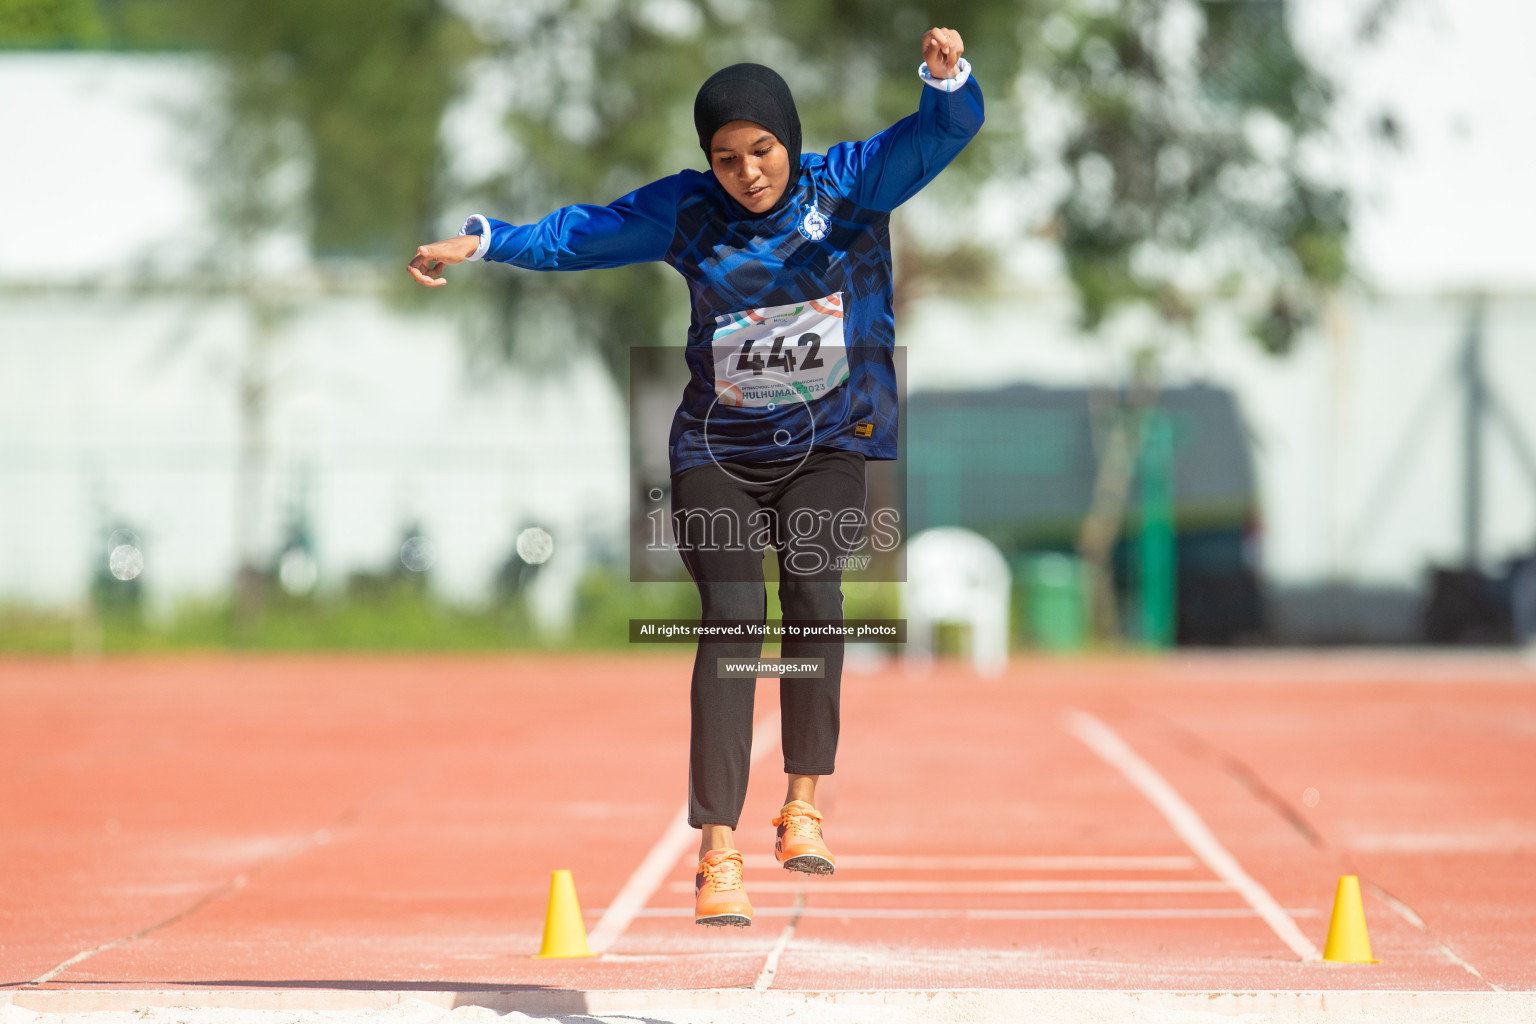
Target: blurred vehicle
(1522,595)
(1017,465)
(1467,606)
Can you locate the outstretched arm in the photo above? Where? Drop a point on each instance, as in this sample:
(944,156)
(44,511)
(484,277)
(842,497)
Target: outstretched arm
(885,171)
(635,229)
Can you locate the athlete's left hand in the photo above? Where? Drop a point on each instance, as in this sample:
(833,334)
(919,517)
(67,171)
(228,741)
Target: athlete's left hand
(942,48)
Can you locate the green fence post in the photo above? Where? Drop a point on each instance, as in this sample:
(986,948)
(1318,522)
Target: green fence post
(1159,574)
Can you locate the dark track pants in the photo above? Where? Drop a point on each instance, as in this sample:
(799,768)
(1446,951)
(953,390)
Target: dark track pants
(723,516)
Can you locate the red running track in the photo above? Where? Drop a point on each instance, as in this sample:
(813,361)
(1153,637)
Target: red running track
(361,822)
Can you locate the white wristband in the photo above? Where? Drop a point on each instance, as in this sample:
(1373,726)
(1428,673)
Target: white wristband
(962,75)
(478,225)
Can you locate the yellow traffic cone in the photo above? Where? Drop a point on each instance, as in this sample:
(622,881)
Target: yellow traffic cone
(564,934)
(1347,941)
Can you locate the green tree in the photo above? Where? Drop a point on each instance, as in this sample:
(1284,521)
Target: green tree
(604,103)
(50,24)
(323,121)
(1189,128)
(357,88)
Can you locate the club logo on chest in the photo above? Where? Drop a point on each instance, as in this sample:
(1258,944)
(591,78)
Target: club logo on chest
(813,225)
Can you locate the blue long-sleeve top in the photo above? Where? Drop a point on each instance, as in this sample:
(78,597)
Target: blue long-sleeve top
(792,337)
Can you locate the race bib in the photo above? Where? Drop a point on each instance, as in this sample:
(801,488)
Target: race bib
(793,353)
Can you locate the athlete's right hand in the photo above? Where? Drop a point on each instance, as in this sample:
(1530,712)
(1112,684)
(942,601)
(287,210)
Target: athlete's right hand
(942,48)
(427,267)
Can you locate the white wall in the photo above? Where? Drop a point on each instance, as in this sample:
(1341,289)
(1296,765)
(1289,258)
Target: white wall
(133,406)
(126,403)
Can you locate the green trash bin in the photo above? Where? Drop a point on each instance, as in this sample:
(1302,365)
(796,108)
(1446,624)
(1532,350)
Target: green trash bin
(1055,602)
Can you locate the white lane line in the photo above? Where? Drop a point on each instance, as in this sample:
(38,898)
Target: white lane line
(1002,914)
(1110,748)
(84,954)
(653,870)
(1407,913)
(771,965)
(1006,885)
(284,851)
(900,862)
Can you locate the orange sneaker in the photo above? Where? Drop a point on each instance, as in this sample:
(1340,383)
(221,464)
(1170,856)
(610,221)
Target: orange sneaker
(718,896)
(799,846)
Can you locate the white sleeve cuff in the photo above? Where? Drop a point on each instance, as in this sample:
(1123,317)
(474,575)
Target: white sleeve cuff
(478,225)
(962,75)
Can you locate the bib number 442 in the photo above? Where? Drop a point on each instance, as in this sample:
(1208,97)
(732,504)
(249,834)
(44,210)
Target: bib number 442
(779,357)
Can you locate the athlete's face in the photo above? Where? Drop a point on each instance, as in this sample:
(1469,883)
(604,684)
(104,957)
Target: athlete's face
(751,163)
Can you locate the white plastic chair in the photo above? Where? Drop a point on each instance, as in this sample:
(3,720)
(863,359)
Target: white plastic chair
(954,575)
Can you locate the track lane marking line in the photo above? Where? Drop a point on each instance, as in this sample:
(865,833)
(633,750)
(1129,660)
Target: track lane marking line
(1068,862)
(653,870)
(282,853)
(1188,825)
(995,913)
(1407,913)
(771,965)
(1033,885)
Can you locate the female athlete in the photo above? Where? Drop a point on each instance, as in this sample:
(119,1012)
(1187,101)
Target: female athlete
(788,263)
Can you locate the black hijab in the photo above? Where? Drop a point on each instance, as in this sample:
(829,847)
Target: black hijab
(750,92)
